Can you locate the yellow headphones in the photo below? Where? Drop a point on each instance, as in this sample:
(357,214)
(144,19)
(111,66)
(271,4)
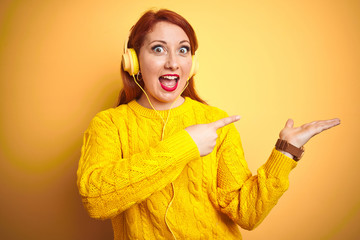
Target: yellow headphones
(130,62)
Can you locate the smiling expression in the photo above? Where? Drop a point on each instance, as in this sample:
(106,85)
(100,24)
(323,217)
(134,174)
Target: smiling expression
(165,63)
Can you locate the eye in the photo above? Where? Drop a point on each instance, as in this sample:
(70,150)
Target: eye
(158,49)
(184,50)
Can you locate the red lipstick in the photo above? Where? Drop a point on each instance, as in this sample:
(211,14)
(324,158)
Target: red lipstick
(169,82)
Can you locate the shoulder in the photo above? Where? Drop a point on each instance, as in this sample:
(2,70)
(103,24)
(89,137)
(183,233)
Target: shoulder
(110,117)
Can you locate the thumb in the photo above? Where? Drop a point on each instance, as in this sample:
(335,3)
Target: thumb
(289,123)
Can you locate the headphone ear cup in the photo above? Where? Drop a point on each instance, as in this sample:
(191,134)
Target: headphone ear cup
(130,62)
(194,66)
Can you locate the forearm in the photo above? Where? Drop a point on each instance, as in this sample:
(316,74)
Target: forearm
(250,201)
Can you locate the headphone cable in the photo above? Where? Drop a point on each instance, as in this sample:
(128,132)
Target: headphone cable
(162,137)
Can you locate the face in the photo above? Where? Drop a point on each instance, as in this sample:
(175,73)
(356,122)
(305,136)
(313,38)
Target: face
(165,63)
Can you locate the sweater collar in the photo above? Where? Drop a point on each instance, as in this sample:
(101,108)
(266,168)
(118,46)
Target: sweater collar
(150,113)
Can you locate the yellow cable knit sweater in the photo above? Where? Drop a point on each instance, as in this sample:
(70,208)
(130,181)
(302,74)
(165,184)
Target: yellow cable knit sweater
(125,174)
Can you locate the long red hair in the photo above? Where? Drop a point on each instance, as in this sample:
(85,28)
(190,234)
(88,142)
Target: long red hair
(143,26)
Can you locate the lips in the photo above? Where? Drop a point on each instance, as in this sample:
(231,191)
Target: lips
(169,82)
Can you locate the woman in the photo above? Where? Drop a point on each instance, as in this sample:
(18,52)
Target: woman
(164,164)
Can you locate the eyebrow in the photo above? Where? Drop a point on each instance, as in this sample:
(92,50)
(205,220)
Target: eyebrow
(184,41)
(164,42)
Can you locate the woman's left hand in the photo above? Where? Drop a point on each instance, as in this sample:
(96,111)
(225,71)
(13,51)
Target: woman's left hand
(298,136)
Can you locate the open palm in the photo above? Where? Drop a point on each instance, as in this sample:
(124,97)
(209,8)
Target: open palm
(298,136)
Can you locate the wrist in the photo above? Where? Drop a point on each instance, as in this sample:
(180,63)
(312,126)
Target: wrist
(287,154)
(289,150)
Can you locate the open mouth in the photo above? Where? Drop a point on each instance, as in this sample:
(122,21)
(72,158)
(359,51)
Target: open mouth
(169,82)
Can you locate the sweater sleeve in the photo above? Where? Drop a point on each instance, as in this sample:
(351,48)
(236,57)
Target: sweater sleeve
(109,183)
(245,198)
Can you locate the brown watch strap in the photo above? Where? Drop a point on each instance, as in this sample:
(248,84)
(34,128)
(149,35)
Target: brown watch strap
(287,147)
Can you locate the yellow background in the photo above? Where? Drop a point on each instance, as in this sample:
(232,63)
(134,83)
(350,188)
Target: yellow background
(264,60)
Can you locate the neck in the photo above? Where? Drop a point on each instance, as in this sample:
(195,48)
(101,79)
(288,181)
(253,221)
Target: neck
(158,105)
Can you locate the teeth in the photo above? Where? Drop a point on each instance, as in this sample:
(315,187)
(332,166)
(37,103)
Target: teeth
(170,77)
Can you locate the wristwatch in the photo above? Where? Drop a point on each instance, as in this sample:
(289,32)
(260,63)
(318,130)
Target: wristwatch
(283,145)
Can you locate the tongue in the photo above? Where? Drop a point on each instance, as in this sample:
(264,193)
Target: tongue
(168,82)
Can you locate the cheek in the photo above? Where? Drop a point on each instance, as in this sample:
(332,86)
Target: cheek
(150,66)
(188,66)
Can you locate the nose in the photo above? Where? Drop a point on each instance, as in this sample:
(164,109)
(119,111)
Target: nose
(171,62)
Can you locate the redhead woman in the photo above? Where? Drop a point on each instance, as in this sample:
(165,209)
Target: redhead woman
(165,165)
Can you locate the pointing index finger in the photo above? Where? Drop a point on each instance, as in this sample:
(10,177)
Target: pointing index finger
(225,121)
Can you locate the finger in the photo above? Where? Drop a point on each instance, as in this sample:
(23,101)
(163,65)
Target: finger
(225,121)
(328,124)
(289,123)
(335,121)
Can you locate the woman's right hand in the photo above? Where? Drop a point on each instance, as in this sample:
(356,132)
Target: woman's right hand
(204,135)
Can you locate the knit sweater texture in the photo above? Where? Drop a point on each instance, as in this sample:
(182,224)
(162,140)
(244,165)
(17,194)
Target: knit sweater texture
(125,174)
